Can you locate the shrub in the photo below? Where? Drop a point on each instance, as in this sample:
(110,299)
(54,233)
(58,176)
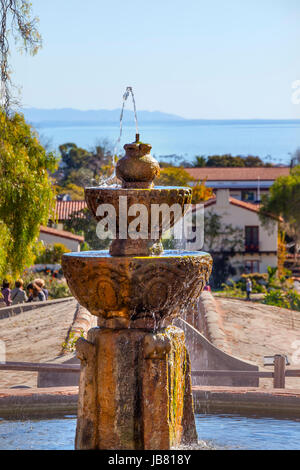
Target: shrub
(58,289)
(290,300)
(52,254)
(276,298)
(231,289)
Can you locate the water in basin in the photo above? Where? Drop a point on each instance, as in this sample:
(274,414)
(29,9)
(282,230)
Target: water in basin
(215,431)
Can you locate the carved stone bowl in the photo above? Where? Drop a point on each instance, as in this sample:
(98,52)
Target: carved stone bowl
(128,204)
(136,292)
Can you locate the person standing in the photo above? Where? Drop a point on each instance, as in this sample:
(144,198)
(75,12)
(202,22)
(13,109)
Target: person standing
(5,291)
(18,295)
(248,288)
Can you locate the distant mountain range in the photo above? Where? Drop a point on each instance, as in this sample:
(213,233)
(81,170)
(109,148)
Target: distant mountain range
(69,115)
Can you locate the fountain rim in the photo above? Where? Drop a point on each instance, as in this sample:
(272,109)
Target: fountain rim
(119,188)
(104,254)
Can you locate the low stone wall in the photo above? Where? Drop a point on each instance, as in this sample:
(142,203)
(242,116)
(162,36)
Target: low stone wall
(49,402)
(275,402)
(206,317)
(82,322)
(58,401)
(6,312)
(206,356)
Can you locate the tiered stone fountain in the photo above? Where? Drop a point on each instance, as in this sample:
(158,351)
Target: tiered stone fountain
(135,382)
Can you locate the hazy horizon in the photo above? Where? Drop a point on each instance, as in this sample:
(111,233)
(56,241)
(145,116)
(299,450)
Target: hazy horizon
(147,111)
(197,59)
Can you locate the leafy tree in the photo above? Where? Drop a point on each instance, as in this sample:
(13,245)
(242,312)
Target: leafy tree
(222,241)
(16,21)
(227,160)
(75,192)
(26,195)
(81,167)
(199,162)
(173,176)
(52,254)
(281,254)
(251,161)
(201,192)
(86,226)
(283,200)
(73,157)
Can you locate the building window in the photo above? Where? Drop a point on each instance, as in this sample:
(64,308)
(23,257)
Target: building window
(251,239)
(248,196)
(252,266)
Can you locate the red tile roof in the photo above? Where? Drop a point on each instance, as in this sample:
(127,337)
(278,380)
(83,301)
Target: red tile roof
(64,209)
(238,174)
(244,205)
(61,233)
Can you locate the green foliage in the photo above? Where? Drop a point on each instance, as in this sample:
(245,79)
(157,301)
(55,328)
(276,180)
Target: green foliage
(221,241)
(276,298)
(173,176)
(82,167)
(283,201)
(52,254)
(290,300)
(231,289)
(200,161)
(200,192)
(259,282)
(294,300)
(58,289)
(75,192)
(86,226)
(227,160)
(26,195)
(70,344)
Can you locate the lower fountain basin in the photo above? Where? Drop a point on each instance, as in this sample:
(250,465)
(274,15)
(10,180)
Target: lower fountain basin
(136,292)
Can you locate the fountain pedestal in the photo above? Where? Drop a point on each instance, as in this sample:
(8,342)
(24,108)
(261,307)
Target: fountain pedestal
(135,381)
(135,390)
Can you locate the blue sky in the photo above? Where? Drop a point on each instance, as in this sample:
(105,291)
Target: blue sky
(195,58)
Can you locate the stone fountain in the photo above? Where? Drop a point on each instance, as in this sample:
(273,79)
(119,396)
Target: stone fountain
(135,382)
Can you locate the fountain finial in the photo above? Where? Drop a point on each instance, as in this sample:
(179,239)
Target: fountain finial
(137,169)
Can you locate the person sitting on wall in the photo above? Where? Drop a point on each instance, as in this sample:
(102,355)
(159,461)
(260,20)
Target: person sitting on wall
(35,293)
(41,283)
(18,295)
(6,292)
(248,288)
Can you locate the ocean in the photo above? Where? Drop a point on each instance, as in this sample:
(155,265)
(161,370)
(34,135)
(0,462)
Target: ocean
(273,141)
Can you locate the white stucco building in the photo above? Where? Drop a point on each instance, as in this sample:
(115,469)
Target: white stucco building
(259,244)
(49,236)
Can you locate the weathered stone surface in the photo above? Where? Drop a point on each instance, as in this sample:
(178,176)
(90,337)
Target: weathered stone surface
(126,200)
(134,390)
(137,166)
(138,290)
(87,419)
(167,404)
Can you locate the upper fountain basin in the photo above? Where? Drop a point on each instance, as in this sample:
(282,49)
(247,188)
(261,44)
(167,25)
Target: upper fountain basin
(127,200)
